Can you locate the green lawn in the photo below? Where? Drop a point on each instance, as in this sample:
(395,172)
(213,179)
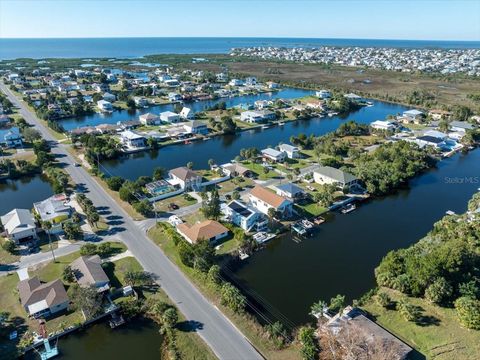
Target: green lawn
(5,256)
(179,200)
(247,325)
(312,209)
(259,170)
(441,337)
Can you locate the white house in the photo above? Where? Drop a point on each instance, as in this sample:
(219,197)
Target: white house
(196,127)
(140,101)
(292,151)
(235,82)
(256,116)
(169,116)
(354,97)
(251,81)
(174,97)
(413,115)
(383,125)
(461,126)
(19,225)
(263,200)
(132,140)
(105,106)
(273,155)
(244,216)
(109,97)
(186,178)
(149,119)
(330,175)
(323,94)
(187,113)
(290,191)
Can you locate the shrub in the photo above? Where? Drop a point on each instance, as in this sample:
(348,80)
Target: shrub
(439,291)
(468,312)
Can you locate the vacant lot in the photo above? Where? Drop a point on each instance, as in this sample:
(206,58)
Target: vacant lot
(440,338)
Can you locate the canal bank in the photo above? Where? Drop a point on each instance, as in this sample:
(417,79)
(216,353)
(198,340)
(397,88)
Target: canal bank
(287,277)
(23,192)
(224,148)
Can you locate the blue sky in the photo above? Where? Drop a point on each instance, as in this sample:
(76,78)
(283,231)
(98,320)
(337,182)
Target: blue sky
(375,19)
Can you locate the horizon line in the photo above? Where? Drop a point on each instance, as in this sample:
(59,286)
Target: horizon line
(227,37)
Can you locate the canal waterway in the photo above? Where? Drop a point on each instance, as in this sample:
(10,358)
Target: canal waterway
(196,106)
(138,339)
(22,193)
(340,259)
(224,148)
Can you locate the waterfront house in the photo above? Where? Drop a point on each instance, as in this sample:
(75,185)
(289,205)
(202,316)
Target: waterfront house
(42,300)
(354,98)
(251,81)
(88,271)
(323,94)
(173,83)
(187,114)
(235,82)
(169,116)
(149,119)
(186,178)
(461,126)
(105,106)
(292,151)
(383,125)
(173,97)
(11,137)
(196,127)
(353,321)
(19,225)
(4,119)
(209,230)
(413,115)
(140,101)
(290,191)
(436,134)
(221,77)
(263,199)
(132,140)
(109,97)
(314,104)
(329,175)
(236,170)
(273,85)
(273,155)
(439,114)
(244,216)
(426,140)
(54,210)
(251,117)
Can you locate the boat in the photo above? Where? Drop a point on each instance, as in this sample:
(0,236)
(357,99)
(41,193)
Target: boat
(299,228)
(319,220)
(263,237)
(281,123)
(265,126)
(206,138)
(307,224)
(348,208)
(186,142)
(330,114)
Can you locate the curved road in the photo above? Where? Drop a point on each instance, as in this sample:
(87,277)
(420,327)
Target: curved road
(225,340)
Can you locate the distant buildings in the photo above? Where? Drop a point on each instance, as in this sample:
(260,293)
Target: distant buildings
(149,119)
(257,116)
(292,152)
(104,106)
(169,116)
(273,155)
(383,125)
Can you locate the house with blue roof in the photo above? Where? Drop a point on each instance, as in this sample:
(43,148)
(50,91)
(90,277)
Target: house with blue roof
(10,137)
(290,191)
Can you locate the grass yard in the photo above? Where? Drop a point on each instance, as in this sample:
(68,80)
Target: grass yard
(246,324)
(230,185)
(5,256)
(312,209)
(259,170)
(441,338)
(194,218)
(180,200)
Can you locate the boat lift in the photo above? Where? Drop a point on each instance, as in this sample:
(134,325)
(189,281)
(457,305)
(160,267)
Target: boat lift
(49,351)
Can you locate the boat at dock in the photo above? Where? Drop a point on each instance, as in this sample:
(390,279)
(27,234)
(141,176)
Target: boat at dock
(348,208)
(307,224)
(319,220)
(281,123)
(263,237)
(302,227)
(265,126)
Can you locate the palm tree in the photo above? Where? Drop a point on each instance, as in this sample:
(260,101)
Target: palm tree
(46,226)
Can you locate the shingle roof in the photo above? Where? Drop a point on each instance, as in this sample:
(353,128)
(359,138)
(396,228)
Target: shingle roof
(204,230)
(183,173)
(267,196)
(290,188)
(88,270)
(18,220)
(336,174)
(32,291)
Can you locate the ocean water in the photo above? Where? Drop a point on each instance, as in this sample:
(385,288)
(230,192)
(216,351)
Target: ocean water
(137,47)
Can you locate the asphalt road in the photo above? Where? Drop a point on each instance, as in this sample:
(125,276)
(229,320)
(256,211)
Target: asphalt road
(225,340)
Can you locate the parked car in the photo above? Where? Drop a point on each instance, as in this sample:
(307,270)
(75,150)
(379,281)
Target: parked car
(172,206)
